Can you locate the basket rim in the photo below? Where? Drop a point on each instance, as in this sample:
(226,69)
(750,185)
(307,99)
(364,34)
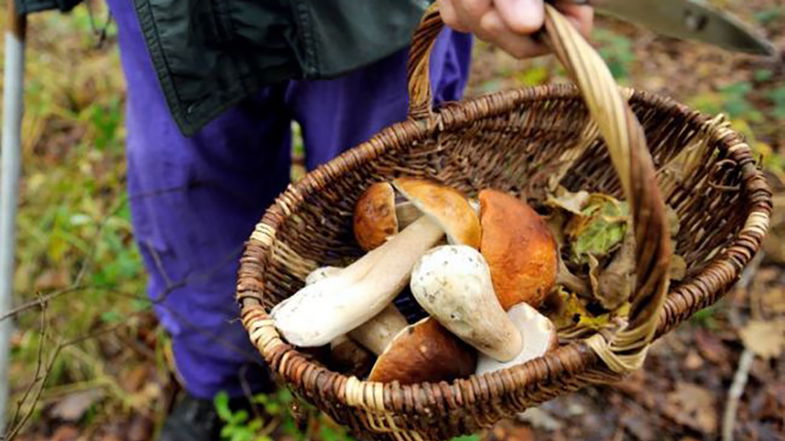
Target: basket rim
(701,290)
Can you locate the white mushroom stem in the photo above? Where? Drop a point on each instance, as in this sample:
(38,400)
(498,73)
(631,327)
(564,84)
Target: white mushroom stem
(335,305)
(378,332)
(321,273)
(453,283)
(539,337)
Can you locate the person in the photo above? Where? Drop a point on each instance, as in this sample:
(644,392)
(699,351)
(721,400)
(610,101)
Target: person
(212,90)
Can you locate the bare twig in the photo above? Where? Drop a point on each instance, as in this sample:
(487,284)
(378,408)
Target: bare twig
(734,394)
(745,362)
(41,379)
(38,379)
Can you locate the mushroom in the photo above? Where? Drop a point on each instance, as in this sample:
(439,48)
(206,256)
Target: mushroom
(335,305)
(379,216)
(424,351)
(453,283)
(321,273)
(539,337)
(456,214)
(373,334)
(378,331)
(519,248)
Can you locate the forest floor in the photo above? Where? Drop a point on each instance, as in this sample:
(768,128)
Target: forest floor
(90,361)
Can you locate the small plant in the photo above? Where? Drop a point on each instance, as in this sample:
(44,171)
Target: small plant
(237,425)
(616,50)
(277,420)
(777,97)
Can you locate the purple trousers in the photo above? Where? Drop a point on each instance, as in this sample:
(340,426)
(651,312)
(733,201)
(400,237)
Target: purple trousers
(194,201)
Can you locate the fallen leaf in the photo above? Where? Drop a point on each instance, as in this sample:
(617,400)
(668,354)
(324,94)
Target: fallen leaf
(599,228)
(573,314)
(52,279)
(568,201)
(73,406)
(133,379)
(140,428)
(764,338)
(613,285)
(506,430)
(540,419)
(65,433)
(773,301)
(678,268)
(639,427)
(692,406)
(711,348)
(693,361)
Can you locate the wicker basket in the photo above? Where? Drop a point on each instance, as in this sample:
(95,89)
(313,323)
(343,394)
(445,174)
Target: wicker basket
(646,149)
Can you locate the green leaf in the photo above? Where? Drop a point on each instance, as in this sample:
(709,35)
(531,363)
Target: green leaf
(473,437)
(221,403)
(777,96)
(598,229)
(763,75)
(240,417)
(227,431)
(768,15)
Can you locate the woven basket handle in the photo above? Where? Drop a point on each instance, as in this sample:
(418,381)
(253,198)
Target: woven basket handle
(631,158)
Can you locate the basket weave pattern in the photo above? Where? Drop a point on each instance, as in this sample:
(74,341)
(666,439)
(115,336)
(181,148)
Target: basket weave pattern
(522,142)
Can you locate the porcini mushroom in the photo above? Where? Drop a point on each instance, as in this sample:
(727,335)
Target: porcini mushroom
(539,337)
(453,283)
(337,304)
(321,273)
(424,351)
(377,332)
(457,217)
(378,215)
(373,334)
(519,248)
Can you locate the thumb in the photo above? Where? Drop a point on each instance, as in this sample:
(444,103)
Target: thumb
(521,16)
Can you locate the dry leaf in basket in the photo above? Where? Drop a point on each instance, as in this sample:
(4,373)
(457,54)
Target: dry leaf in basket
(594,234)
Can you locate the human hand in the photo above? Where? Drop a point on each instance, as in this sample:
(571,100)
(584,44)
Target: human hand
(509,24)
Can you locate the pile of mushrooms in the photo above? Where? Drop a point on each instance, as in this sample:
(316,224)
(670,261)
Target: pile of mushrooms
(480,271)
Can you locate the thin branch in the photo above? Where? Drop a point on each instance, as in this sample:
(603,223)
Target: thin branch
(11,434)
(735,392)
(16,422)
(745,362)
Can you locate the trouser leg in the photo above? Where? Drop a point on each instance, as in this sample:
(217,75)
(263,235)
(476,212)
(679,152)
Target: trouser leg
(194,201)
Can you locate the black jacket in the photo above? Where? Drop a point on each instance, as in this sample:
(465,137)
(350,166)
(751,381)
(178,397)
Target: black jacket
(210,54)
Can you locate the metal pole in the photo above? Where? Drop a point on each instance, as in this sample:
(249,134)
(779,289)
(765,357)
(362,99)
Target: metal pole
(10,164)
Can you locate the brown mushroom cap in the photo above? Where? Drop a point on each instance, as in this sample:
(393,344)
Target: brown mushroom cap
(447,206)
(374,216)
(424,351)
(519,248)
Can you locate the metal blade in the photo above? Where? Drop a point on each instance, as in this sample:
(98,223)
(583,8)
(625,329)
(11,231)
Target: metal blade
(687,19)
